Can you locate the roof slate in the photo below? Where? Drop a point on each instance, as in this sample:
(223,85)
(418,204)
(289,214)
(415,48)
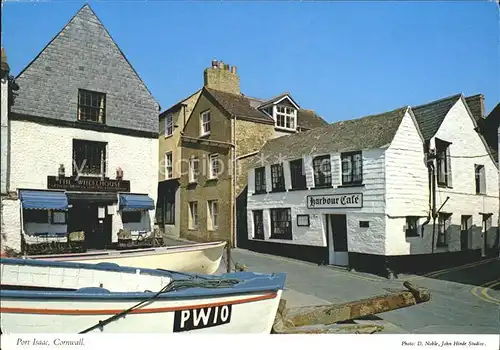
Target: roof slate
(476,106)
(431,115)
(244,106)
(369,132)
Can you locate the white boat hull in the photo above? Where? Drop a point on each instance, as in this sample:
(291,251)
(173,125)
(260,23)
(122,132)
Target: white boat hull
(202,258)
(250,313)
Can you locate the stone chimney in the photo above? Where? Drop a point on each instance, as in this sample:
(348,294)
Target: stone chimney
(220,76)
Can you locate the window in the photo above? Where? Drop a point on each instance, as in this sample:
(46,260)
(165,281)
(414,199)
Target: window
(169,211)
(411,227)
(352,168)
(91,106)
(193,215)
(213,209)
(277,177)
(443,163)
(444,221)
(260,180)
(258,224)
(169,125)
(297,175)
(36,216)
(303,220)
(364,224)
(480,179)
(58,217)
(193,170)
(322,171)
(89,157)
(214,166)
(285,117)
(205,123)
(131,216)
(169,168)
(281,223)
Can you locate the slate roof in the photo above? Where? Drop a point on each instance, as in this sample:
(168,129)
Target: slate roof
(247,107)
(431,115)
(369,132)
(476,106)
(238,105)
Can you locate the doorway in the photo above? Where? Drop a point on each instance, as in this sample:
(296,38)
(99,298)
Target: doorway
(465,232)
(336,227)
(94,221)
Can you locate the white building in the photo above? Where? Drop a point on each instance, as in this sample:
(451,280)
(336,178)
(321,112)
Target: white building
(84,143)
(358,193)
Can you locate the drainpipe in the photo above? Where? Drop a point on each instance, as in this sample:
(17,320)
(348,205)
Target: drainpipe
(430,171)
(234,180)
(434,211)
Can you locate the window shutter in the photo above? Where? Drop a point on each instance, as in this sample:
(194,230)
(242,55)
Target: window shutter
(482,180)
(448,170)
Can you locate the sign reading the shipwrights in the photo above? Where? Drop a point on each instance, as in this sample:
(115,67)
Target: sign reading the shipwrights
(348,200)
(87,184)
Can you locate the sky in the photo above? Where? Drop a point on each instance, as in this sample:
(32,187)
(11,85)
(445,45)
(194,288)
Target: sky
(342,59)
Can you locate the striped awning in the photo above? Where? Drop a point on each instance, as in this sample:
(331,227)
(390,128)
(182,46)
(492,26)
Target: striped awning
(43,200)
(136,202)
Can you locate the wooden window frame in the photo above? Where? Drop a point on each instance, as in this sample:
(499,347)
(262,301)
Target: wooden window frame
(193,215)
(169,125)
(480,178)
(348,157)
(52,217)
(169,217)
(169,165)
(443,227)
(277,215)
(258,227)
(277,178)
(213,159)
(86,109)
(443,163)
(211,203)
(260,180)
(194,172)
(205,123)
(286,117)
(85,148)
(411,231)
(322,168)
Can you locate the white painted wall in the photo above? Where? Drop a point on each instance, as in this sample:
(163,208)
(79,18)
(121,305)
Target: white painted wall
(11,224)
(37,150)
(4,137)
(364,240)
(406,183)
(458,128)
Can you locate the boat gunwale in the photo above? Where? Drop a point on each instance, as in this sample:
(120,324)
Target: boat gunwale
(138,252)
(267,295)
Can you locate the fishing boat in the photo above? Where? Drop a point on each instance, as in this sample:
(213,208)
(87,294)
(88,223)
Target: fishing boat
(202,258)
(67,297)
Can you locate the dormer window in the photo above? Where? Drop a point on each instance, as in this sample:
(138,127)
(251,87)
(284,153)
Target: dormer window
(286,117)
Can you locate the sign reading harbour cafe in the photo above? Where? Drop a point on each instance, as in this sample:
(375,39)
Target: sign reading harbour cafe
(347,200)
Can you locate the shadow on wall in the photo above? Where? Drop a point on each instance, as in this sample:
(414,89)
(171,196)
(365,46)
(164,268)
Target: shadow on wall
(241,219)
(143,225)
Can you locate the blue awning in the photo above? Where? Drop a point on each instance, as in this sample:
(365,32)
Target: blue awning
(136,202)
(54,200)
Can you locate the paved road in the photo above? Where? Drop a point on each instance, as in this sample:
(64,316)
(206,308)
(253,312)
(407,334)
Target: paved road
(459,303)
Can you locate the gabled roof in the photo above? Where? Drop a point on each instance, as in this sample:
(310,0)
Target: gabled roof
(476,106)
(279,98)
(83,9)
(374,131)
(431,115)
(177,105)
(246,107)
(239,106)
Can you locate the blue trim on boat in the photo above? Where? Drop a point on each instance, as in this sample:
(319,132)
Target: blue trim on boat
(55,200)
(136,202)
(250,282)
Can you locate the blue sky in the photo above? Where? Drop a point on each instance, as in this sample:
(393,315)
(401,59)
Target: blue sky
(342,59)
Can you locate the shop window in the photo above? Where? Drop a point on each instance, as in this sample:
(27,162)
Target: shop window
(36,216)
(281,223)
(131,216)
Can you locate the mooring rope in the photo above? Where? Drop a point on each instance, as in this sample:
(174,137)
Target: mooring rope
(172,286)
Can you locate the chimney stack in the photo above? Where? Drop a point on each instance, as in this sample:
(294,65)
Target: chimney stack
(222,77)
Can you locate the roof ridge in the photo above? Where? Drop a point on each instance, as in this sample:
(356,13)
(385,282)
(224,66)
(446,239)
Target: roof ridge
(437,101)
(370,115)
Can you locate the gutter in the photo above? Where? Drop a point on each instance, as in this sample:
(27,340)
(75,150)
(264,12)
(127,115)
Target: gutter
(197,139)
(248,155)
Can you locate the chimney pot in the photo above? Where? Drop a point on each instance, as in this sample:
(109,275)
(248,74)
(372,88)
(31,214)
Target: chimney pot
(221,65)
(233,69)
(214,63)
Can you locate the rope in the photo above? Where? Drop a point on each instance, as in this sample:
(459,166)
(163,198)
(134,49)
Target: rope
(172,286)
